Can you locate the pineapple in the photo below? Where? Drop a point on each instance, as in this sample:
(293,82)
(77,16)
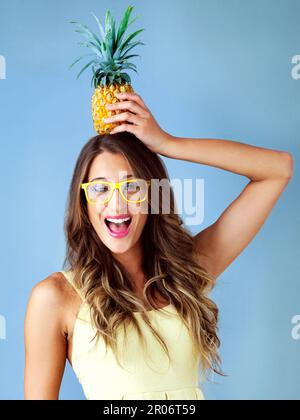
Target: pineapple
(109,62)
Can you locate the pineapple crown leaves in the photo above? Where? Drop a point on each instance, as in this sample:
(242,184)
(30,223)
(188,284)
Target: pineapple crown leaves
(111,54)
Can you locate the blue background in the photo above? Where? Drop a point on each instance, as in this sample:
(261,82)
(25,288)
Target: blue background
(210,68)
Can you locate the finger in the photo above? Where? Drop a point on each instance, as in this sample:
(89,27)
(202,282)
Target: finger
(130,105)
(134,97)
(124,116)
(124,127)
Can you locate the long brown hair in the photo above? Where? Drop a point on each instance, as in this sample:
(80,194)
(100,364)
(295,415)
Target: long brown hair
(169,265)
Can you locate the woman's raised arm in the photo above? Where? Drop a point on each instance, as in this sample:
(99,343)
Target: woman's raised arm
(269,171)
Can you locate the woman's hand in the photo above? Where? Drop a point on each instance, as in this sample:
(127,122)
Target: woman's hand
(143,126)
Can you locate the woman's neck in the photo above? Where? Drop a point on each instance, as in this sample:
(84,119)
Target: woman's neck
(132,261)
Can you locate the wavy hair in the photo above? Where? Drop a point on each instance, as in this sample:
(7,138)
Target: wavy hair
(169,265)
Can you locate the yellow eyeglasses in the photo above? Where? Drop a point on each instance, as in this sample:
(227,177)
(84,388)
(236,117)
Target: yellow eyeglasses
(132,191)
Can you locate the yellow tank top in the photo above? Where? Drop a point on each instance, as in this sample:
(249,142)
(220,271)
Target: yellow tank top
(145,377)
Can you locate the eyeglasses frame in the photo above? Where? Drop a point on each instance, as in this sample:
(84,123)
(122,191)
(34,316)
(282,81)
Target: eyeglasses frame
(114,185)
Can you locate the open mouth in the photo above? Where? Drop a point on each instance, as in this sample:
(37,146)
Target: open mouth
(118,226)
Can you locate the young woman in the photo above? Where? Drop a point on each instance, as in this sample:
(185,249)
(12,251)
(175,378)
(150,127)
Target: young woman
(131,311)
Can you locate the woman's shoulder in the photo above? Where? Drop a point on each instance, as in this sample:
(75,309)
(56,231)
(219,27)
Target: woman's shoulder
(51,288)
(52,304)
(47,307)
(52,292)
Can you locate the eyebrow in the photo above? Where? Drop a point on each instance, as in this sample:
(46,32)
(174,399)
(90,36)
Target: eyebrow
(103,178)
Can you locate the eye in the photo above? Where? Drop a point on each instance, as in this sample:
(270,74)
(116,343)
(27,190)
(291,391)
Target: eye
(99,188)
(132,186)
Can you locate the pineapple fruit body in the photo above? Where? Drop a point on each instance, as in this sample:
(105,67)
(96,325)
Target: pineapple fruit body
(102,96)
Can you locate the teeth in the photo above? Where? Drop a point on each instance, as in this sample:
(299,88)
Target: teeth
(118,220)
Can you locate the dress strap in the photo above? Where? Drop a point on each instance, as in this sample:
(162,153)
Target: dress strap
(70,278)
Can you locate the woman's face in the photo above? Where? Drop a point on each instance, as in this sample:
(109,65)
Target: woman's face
(119,238)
